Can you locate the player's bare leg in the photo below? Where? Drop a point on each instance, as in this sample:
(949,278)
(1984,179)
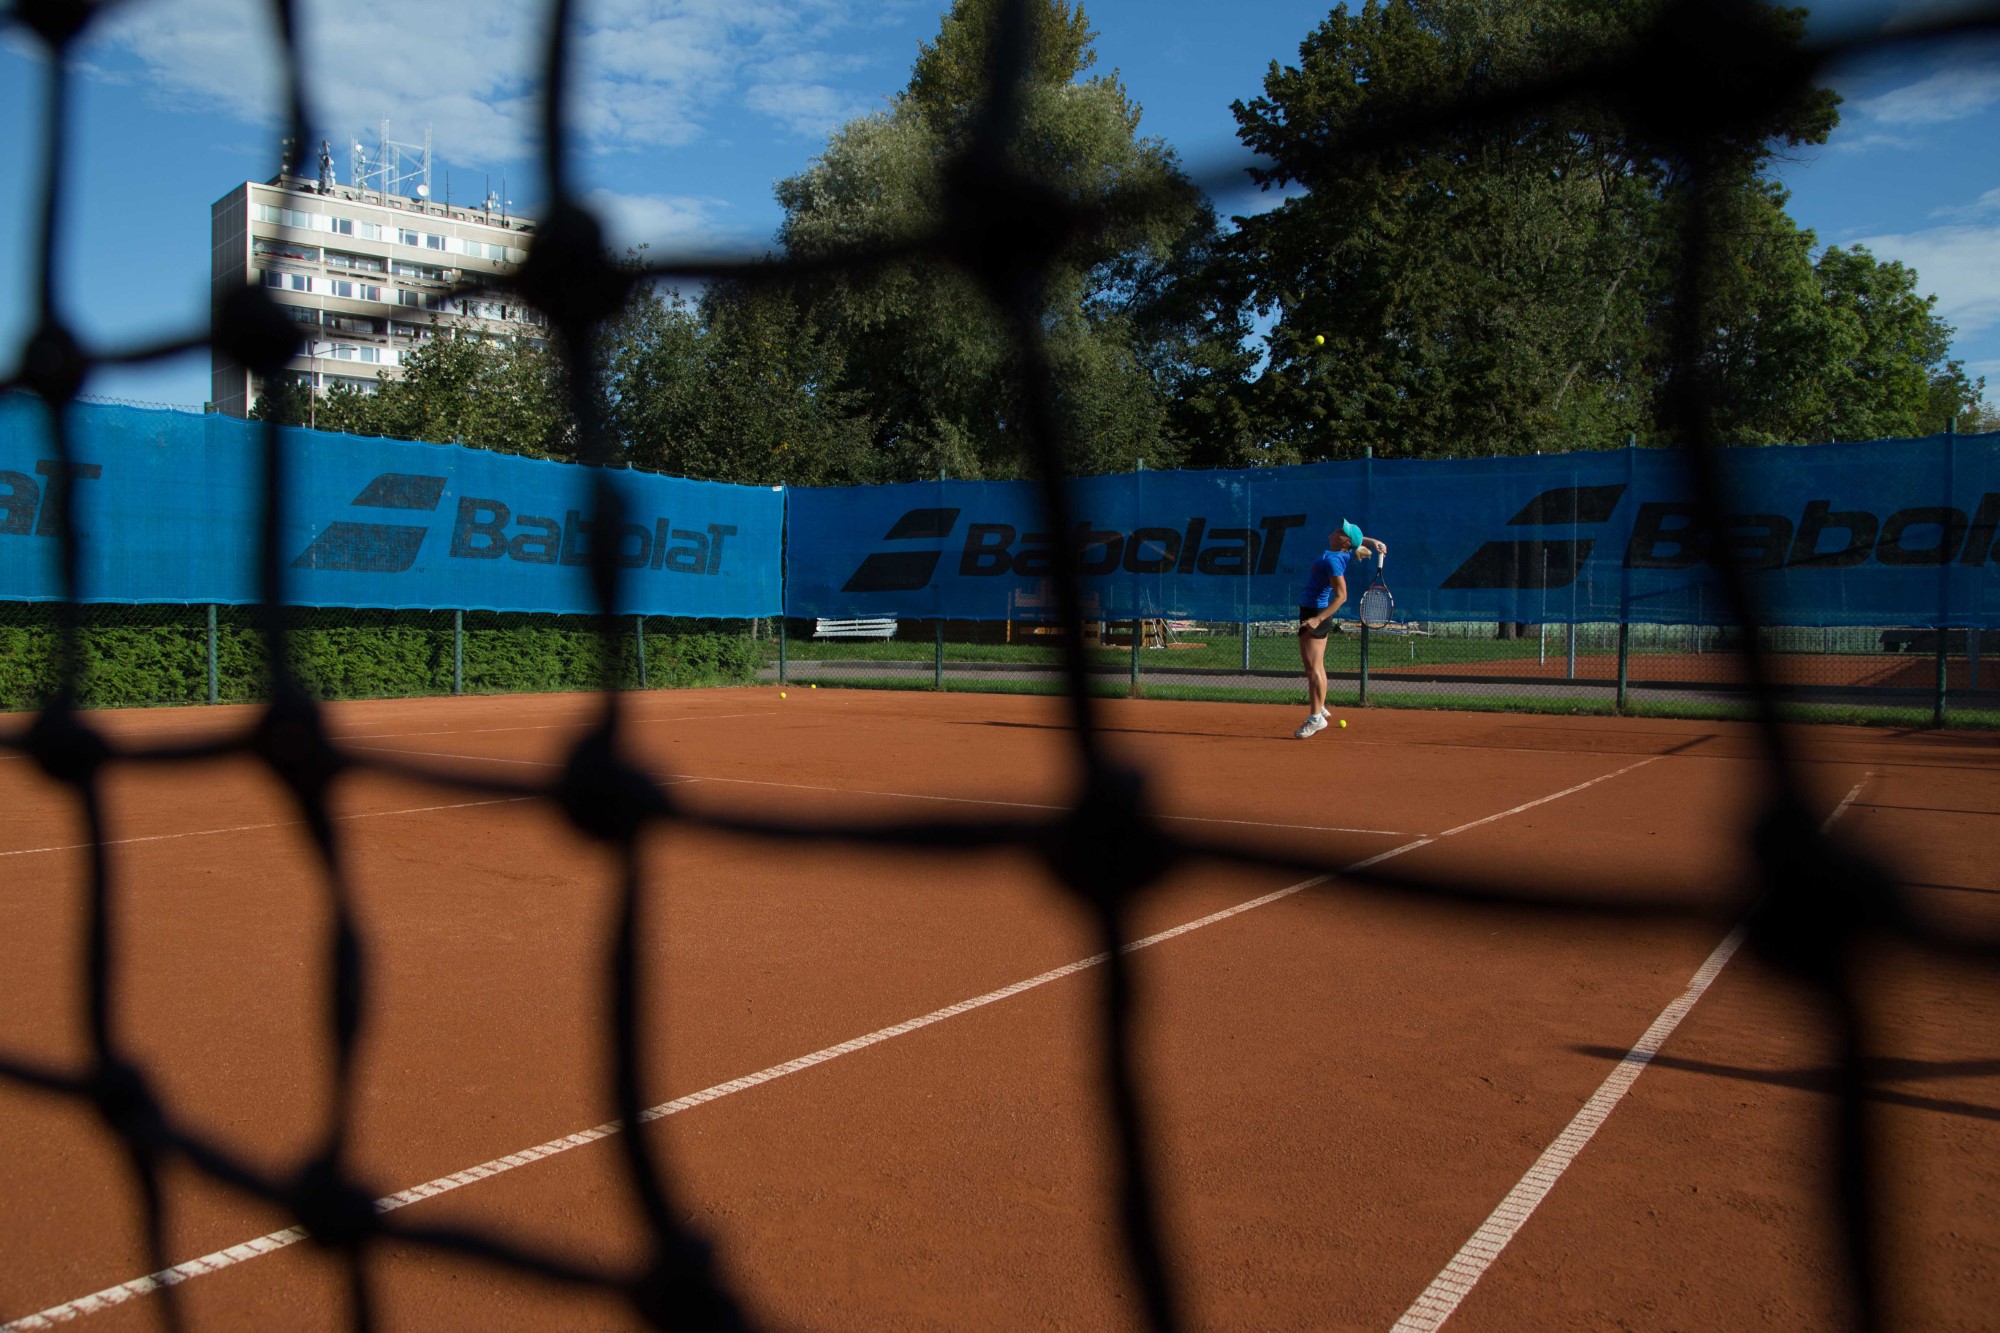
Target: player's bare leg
(1312,652)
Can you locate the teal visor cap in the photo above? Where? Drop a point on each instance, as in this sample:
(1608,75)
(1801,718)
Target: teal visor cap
(1353,533)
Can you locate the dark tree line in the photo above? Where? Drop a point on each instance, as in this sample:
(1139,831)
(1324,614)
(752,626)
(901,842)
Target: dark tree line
(1495,288)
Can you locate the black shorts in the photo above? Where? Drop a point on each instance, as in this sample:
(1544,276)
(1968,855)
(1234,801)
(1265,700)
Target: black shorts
(1325,626)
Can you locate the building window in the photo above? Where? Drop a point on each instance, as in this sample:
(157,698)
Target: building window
(284,250)
(303,314)
(409,237)
(341,226)
(360,263)
(434,242)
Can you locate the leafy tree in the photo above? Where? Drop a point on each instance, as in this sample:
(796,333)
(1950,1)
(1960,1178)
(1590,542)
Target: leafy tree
(286,400)
(458,389)
(737,388)
(1136,362)
(1497,286)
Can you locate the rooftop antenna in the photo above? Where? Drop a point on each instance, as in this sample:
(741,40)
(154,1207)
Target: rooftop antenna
(398,168)
(325,167)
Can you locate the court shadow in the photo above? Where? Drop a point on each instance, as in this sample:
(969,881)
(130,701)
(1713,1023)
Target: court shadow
(1892,1068)
(1950,888)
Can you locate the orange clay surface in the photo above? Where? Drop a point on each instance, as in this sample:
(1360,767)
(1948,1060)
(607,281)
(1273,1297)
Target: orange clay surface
(1343,1085)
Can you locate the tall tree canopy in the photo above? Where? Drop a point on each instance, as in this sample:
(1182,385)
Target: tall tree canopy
(1140,360)
(1506,286)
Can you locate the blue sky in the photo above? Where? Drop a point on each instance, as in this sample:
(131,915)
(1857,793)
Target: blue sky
(694,108)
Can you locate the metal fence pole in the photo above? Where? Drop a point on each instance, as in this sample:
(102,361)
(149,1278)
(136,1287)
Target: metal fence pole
(214,676)
(458,652)
(781,650)
(1624,663)
(1361,695)
(1938,707)
(639,632)
(1138,628)
(937,661)
(1246,647)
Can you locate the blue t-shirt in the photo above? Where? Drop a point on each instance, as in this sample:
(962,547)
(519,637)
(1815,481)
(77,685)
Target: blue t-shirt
(1319,581)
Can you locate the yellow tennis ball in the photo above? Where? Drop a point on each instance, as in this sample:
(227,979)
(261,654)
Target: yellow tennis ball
(781,694)
(1343,724)
(1319,340)
(812,687)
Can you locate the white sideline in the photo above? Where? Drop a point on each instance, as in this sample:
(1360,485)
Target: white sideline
(277,1240)
(1456,1281)
(249,828)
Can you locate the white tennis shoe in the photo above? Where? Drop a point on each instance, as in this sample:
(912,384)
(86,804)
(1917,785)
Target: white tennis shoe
(1312,726)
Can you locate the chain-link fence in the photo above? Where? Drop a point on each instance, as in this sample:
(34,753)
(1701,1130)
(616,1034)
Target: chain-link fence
(1705,76)
(1895,676)
(146,656)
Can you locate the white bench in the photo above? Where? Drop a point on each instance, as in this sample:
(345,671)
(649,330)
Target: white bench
(882,628)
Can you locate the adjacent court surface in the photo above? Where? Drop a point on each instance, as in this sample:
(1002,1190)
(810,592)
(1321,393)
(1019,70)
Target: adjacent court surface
(881,1067)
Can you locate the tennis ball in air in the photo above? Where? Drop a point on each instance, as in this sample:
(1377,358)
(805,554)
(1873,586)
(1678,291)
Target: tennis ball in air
(1319,340)
(781,694)
(812,687)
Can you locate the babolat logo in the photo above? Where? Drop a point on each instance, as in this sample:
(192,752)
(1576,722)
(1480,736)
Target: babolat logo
(1671,535)
(34,509)
(485,529)
(992,549)
(1541,561)
(377,548)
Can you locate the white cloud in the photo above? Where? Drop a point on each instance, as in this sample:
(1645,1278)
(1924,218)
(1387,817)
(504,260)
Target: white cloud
(1986,205)
(1965,86)
(668,224)
(650,74)
(1959,264)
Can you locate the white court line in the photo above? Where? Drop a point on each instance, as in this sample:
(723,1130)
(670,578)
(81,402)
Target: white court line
(1456,1281)
(1567,791)
(584,722)
(277,1240)
(248,828)
(900,795)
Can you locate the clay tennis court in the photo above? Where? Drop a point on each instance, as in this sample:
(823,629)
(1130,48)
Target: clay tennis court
(1344,1084)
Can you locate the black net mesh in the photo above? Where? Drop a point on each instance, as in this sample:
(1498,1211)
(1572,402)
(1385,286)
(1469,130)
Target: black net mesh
(1705,77)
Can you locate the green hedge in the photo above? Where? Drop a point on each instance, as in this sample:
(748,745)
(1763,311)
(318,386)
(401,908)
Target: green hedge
(136,656)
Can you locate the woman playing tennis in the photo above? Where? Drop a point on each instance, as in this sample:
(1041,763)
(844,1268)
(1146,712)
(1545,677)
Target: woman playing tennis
(1325,591)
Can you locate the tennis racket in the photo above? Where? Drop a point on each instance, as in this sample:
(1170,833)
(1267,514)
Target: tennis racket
(1378,607)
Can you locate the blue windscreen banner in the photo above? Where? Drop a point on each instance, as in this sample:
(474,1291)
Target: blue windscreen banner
(1887,533)
(169,506)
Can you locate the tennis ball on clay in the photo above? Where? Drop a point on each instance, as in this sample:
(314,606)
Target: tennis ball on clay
(781,694)
(812,687)
(1343,724)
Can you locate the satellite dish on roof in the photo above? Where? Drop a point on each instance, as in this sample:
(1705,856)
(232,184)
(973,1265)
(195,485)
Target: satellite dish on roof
(423,192)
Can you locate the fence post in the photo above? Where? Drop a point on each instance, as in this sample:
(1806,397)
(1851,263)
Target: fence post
(1361,695)
(1624,661)
(214,678)
(1938,708)
(1138,628)
(937,660)
(458,652)
(639,631)
(1246,647)
(781,650)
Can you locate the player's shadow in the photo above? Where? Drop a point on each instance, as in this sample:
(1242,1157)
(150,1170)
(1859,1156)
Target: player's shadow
(1882,1068)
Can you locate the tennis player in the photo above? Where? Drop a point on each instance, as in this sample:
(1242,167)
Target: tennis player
(1324,593)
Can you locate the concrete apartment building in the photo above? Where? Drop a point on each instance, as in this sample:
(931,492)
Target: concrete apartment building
(367,271)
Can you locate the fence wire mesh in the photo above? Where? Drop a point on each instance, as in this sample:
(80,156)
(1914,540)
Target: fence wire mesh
(1707,75)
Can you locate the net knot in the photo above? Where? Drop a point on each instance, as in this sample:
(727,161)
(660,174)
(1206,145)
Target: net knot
(1002,225)
(605,796)
(1110,846)
(65,748)
(568,276)
(291,738)
(126,1102)
(57,22)
(332,1211)
(54,364)
(254,330)
(1819,897)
